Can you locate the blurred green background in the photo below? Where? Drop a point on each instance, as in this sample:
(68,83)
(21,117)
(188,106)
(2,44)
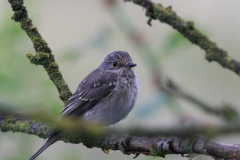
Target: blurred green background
(81,33)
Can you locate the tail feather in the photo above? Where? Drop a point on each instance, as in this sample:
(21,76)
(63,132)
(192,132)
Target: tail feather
(54,132)
(51,140)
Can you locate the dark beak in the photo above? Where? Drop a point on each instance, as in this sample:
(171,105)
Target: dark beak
(130,64)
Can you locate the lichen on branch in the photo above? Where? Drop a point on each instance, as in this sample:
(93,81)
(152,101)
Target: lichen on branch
(188,30)
(128,144)
(44,54)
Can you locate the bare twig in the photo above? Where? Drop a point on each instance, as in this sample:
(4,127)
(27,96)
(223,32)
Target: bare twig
(226,112)
(44,54)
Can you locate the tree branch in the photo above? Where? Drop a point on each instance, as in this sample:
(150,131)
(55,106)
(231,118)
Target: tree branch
(187,29)
(131,144)
(226,112)
(43,52)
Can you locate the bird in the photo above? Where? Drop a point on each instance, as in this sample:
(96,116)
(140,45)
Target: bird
(105,97)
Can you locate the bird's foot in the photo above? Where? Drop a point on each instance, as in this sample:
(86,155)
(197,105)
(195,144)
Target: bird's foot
(106,151)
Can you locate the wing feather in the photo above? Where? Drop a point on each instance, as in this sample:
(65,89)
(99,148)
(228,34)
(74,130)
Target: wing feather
(90,91)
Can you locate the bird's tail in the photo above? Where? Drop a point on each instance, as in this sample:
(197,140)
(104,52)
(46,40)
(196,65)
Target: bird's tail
(52,137)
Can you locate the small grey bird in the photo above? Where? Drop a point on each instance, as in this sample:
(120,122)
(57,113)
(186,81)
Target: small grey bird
(105,97)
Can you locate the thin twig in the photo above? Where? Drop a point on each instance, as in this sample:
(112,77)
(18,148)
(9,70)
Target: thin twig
(226,112)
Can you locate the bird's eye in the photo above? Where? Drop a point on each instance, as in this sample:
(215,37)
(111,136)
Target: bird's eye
(114,64)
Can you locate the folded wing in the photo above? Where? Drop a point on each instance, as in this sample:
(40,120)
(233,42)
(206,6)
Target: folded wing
(90,91)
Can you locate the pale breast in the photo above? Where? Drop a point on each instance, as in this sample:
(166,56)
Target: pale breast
(125,96)
(128,90)
(117,106)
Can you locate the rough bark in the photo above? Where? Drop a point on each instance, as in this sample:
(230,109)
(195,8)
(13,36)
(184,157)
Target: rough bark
(128,144)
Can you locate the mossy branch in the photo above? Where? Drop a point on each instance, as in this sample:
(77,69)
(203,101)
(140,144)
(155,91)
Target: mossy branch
(128,144)
(188,30)
(44,54)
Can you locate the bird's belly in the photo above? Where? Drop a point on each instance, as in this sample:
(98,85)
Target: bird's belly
(116,107)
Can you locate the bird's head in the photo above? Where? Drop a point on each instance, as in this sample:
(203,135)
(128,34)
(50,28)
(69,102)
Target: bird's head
(119,62)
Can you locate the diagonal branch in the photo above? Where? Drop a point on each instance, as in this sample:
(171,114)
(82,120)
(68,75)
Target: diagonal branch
(187,29)
(225,112)
(44,54)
